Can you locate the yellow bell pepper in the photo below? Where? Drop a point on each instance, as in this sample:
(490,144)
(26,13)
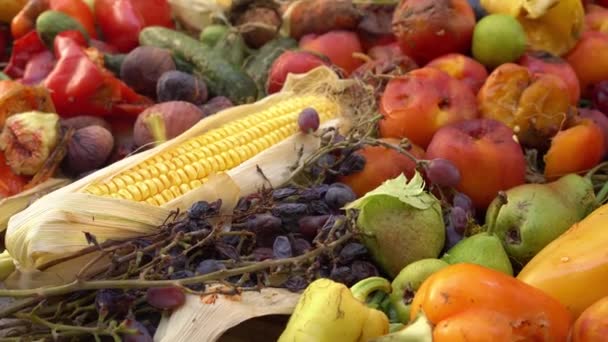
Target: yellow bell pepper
(551,25)
(329,311)
(574,267)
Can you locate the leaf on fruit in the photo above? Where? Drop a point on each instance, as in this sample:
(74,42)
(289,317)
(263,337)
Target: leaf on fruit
(411,193)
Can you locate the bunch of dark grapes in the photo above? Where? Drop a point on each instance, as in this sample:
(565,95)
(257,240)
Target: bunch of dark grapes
(458,218)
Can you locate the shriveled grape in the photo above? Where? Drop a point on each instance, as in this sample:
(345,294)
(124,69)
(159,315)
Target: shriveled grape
(209,266)
(281,248)
(338,195)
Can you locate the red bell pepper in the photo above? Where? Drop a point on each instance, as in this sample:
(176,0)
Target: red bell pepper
(122,20)
(24,49)
(38,68)
(79,84)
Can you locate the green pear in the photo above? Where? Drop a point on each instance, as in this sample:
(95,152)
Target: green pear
(408,281)
(536,214)
(483,249)
(421,330)
(400,223)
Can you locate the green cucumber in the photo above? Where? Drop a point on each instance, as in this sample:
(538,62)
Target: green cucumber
(258,65)
(232,47)
(221,77)
(114,62)
(50,23)
(183,65)
(212,34)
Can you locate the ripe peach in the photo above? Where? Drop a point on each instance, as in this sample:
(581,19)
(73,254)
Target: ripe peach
(576,149)
(462,68)
(291,62)
(416,105)
(545,62)
(426,29)
(533,105)
(592,324)
(589,59)
(381,164)
(485,153)
(338,46)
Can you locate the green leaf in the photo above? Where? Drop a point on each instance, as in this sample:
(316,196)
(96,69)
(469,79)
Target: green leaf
(411,193)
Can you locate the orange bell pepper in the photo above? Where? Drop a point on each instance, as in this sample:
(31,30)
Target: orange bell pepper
(574,267)
(467,302)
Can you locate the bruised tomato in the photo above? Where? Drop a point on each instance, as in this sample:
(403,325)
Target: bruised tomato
(381,163)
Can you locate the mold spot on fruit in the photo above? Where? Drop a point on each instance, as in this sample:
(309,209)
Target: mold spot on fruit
(513,236)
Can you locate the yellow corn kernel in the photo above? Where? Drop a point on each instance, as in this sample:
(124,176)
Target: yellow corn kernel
(181,168)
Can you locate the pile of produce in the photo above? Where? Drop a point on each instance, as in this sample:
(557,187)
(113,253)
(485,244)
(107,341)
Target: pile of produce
(415,170)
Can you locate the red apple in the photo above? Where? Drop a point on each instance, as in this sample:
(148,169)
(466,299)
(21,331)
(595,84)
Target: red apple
(427,29)
(339,46)
(462,68)
(416,105)
(545,63)
(291,62)
(486,154)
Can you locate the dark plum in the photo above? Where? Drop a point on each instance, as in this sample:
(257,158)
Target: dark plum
(143,66)
(180,86)
(216,104)
(308,121)
(165,298)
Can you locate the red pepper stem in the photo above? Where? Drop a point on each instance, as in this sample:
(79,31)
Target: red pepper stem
(156,125)
(365,287)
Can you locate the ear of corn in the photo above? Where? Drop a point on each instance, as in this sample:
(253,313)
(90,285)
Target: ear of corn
(186,166)
(218,158)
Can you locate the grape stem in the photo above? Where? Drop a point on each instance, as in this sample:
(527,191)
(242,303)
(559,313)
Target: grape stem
(80,285)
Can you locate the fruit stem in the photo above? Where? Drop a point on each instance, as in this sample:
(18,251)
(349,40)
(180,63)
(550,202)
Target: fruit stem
(502,200)
(365,287)
(376,300)
(602,195)
(593,171)
(156,126)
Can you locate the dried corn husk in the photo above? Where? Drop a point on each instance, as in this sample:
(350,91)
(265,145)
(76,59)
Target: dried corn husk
(53,227)
(207,318)
(14,204)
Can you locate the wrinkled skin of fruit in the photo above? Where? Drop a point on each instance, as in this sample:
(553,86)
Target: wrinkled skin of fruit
(535,106)
(544,62)
(28,139)
(18,98)
(427,29)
